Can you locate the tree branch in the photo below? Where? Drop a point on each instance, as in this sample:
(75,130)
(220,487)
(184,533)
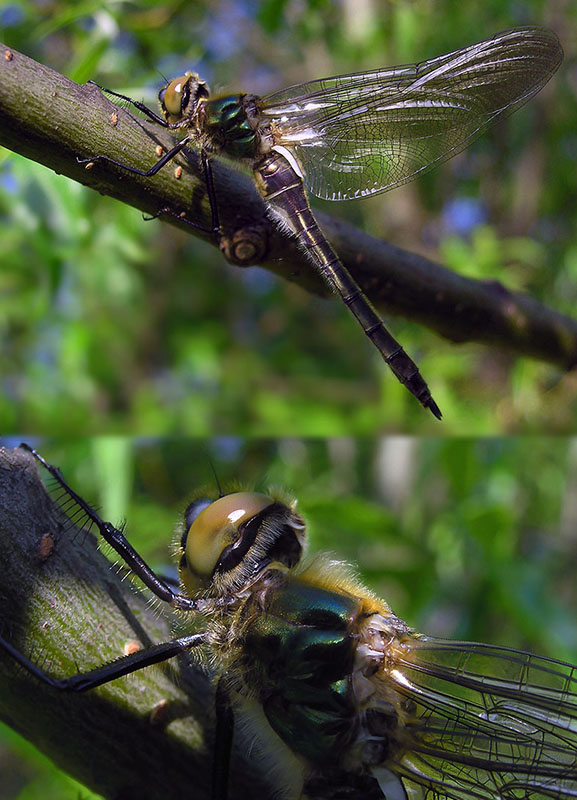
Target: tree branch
(52,120)
(146,736)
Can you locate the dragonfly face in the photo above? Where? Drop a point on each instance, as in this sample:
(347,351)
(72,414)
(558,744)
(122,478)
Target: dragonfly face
(226,543)
(357,135)
(180,98)
(348,701)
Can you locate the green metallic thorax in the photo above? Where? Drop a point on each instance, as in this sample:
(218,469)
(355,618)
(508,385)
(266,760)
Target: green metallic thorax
(299,657)
(228,128)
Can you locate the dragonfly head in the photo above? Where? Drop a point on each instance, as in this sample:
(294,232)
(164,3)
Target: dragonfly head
(229,542)
(179,99)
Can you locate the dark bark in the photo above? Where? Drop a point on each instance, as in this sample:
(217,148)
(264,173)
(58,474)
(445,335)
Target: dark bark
(63,604)
(52,120)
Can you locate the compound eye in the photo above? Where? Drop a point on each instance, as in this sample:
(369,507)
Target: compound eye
(218,526)
(193,510)
(174,96)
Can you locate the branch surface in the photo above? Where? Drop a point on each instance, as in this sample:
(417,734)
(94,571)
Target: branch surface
(145,736)
(50,119)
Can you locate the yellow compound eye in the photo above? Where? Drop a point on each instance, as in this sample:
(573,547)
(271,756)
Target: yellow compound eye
(217,527)
(174,96)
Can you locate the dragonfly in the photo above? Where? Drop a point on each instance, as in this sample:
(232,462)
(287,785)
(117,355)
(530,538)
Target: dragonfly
(353,136)
(361,705)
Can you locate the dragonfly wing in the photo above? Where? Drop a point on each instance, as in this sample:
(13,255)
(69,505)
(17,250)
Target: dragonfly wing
(483,722)
(361,134)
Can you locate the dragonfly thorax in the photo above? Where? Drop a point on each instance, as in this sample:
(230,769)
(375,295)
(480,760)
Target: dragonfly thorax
(231,125)
(314,656)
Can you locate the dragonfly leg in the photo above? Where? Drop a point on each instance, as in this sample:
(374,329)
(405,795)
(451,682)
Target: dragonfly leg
(211,192)
(181,217)
(222,742)
(136,103)
(117,540)
(114,669)
(146,173)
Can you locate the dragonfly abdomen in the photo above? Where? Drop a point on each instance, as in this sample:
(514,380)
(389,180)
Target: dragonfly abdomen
(283,190)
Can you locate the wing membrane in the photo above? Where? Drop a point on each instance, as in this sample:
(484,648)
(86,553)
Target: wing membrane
(361,134)
(486,722)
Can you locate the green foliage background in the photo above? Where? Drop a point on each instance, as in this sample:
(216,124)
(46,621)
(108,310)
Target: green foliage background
(112,325)
(468,539)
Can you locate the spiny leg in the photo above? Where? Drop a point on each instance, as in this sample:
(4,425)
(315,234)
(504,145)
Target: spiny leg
(114,669)
(166,210)
(222,742)
(211,192)
(117,540)
(136,103)
(145,173)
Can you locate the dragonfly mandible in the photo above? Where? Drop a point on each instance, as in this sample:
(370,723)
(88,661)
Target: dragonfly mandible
(362,706)
(353,136)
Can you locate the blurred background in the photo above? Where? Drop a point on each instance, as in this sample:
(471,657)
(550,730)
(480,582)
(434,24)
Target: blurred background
(468,539)
(109,324)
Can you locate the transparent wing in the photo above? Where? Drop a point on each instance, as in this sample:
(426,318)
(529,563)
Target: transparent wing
(361,134)
(484,722)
